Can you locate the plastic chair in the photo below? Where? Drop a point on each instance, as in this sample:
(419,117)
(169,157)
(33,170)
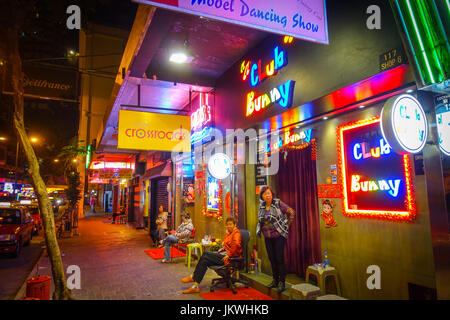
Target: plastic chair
(185,241)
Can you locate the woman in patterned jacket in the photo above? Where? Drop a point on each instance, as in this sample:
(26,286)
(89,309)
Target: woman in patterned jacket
(274,219)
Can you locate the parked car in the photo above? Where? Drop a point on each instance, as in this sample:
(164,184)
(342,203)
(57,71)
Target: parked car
(16,230)
(35,214)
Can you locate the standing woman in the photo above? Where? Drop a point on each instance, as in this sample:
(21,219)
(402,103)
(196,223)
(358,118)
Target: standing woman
(274,219)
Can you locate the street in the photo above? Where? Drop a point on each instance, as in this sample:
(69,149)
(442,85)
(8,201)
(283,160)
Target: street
(14,271)
(114,265)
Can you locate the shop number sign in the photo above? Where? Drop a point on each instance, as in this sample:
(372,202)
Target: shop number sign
(404,124)
(376,181)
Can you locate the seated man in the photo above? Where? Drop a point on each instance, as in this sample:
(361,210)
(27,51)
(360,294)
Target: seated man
(184,230)
(231,248)
(115,214)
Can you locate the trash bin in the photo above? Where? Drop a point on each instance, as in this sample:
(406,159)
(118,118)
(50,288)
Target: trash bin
(39,287)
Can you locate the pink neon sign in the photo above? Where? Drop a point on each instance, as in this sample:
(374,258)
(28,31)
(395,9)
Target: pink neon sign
(202,115)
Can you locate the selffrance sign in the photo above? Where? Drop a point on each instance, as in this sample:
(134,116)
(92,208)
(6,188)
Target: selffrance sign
(302,19)
(404,124)
(376,181)
(153,131)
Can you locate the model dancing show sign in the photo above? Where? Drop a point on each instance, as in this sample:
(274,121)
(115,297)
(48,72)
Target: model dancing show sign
(376,180)
(302,19)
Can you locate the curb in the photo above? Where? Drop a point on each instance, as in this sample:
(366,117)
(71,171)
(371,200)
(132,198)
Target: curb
(21,293)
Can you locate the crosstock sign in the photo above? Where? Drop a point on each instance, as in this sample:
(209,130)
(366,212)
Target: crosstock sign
(154,131)
(303,19)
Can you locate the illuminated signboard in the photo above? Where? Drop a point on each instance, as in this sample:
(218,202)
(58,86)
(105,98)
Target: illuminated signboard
(289,138)
(281,95)
(256,73)
(376,181)
(306,19)
(111,165)
(154,131)
(213,194)
(443,123)
(404,124)
(201,116)
(219,166)
(8,187)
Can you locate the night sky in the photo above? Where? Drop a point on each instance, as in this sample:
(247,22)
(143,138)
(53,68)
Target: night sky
(55,123)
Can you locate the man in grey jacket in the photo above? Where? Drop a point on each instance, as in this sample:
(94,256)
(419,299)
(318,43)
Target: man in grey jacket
(185,229)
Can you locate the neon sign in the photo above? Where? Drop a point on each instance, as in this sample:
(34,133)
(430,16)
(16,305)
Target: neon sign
(376,181)
(281,95)
(202,115)
(289,138)
(257,73)
(111,165)
(404,124)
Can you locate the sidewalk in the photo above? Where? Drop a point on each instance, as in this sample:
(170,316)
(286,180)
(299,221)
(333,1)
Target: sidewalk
(114,265)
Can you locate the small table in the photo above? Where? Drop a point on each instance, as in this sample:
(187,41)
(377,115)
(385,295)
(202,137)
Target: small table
(321,275)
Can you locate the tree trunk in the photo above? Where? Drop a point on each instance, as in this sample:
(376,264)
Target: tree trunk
(61,291)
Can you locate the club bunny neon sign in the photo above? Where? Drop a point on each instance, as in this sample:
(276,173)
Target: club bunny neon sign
(376,181)
(257,73)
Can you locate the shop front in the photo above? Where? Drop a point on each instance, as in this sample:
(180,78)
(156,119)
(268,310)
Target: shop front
(362,193)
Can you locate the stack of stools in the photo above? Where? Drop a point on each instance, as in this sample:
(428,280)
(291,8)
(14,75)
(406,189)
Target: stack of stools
(305,290)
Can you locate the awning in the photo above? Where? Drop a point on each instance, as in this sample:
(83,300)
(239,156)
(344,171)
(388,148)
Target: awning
(162,170)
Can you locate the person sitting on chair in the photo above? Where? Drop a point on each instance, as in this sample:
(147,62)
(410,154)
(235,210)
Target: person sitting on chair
(231,248)
(116,214)
(184,230)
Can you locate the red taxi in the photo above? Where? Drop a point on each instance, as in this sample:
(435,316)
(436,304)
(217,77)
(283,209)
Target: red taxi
(16,230)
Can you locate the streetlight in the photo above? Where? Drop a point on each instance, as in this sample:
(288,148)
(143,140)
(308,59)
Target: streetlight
(56,160)
(34,140)
(2,138)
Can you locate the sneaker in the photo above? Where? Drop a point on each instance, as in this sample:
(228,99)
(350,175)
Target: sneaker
(192,290)
(164,261)
(187,279)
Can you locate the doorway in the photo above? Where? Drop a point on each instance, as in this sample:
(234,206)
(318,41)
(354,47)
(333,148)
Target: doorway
(297,187)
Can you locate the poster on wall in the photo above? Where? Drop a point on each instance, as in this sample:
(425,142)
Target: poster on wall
(188,190)
(213,194)
(376,181)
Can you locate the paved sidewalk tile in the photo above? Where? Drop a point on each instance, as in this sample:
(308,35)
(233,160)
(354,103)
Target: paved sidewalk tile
(114,265)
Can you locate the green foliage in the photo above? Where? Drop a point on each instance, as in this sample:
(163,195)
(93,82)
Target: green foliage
(73,191)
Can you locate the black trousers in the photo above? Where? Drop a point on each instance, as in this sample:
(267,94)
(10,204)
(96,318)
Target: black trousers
(275,251)
(207,259)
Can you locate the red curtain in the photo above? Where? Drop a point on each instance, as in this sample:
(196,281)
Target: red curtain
(297,180)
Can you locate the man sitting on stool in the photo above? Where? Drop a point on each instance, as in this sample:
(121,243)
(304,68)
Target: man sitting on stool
(184,230)
(115,214)
(231,248)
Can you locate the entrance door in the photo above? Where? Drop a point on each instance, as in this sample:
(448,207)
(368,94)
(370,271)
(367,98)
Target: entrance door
(297,180)
(158,196)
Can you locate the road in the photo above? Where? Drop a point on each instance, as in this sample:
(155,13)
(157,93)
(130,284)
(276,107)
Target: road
(14,271)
